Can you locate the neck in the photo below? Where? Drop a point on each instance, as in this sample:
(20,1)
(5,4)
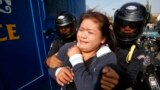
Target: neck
(125,45)
(88,55)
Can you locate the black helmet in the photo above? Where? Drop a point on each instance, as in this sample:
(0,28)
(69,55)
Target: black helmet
(133,15)
(66,19)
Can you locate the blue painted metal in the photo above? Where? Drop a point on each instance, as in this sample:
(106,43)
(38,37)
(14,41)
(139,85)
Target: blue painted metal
(23,44)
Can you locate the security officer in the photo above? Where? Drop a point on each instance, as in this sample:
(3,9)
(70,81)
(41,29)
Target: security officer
(129,23)
(66,29)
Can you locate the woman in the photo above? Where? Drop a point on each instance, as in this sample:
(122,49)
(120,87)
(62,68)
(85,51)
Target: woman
(88,55)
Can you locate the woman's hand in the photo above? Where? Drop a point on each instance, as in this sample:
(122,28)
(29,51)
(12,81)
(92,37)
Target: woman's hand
(74,50)
(64,76)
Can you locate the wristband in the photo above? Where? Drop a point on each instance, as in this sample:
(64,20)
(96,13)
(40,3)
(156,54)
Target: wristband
(76,59)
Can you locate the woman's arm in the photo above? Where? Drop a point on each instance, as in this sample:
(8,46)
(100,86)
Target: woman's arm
(89,79)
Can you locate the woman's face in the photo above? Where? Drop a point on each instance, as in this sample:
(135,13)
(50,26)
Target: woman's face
(89,37)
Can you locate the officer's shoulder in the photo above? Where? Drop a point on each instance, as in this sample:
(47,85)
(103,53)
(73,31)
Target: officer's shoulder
(69,44)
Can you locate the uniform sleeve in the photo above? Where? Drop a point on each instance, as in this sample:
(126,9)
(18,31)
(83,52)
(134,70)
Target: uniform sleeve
(62,55)
(89,79)
(54,47)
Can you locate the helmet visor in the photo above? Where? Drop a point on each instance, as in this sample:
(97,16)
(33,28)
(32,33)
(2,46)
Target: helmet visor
(129,29)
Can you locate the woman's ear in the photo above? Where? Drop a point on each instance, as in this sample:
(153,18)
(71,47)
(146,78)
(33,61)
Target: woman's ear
(104,40)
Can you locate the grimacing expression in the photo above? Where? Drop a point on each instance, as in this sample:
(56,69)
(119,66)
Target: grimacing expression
(89,37)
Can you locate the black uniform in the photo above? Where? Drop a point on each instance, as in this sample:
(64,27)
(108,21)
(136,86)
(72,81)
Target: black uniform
(128,71)
(58,43)
(63,20)
(132,73)
(129,23)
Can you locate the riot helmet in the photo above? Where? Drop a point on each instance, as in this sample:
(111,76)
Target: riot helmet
(65,21)
(131,15)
